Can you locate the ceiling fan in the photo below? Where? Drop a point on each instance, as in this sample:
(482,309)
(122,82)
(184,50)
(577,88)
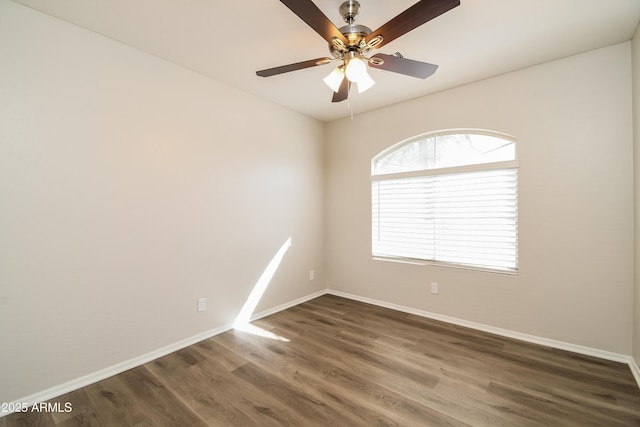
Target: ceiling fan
(352,44)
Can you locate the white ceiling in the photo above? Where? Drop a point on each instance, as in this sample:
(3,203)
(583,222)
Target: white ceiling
(230,40)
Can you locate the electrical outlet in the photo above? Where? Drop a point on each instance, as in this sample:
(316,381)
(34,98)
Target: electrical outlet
(312,275)
(202,304)
(434,288)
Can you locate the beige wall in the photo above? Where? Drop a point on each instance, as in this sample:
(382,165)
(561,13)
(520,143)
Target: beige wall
(636,143)
(572,119)
(130,187)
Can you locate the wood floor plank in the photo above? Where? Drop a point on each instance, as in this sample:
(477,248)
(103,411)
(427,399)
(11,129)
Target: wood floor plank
(308,371)
(317,353)
(136,397)
(370,354)
(354,390)
(337,362)
(549,411)
(28,419)
(260,405)
(408,386)
(210,394)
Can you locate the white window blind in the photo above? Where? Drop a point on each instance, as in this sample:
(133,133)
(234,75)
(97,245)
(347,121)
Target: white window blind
(464,217)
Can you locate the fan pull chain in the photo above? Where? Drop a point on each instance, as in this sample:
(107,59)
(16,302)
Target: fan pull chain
(349,107)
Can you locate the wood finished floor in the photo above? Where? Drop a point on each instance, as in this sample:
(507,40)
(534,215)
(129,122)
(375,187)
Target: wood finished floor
(339,362)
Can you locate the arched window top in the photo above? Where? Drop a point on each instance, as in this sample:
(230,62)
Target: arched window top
(444,149)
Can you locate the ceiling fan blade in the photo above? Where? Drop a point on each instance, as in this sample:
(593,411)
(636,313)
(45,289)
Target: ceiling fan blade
(405,66)
(293,67)
(343,92)
(416,15)
(313,16)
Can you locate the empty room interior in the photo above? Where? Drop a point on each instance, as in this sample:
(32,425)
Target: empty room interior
(191,235)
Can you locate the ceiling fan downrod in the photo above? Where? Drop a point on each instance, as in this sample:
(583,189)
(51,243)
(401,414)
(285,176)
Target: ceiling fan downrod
(349,11)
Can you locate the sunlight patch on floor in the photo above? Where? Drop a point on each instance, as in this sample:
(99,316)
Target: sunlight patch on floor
(258,331)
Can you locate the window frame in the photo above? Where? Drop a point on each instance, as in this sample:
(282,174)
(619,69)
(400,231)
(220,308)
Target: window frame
(499,165)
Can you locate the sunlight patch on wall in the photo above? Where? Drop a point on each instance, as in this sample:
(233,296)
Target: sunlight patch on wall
(244,317)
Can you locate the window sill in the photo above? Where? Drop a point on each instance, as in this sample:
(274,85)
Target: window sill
(420,262)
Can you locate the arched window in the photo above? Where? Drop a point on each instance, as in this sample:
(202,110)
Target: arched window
(449,198)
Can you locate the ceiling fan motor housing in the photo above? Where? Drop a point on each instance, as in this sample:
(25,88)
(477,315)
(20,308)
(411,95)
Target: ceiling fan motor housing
(355,34)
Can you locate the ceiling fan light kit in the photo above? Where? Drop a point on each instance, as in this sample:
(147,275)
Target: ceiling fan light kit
(352,44)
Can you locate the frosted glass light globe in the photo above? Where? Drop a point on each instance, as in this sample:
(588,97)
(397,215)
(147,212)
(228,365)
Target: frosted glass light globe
(356,68)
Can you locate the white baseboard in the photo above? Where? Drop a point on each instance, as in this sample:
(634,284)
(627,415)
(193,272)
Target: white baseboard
(616,357)
(94,377)
(288,305)
(635,370)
